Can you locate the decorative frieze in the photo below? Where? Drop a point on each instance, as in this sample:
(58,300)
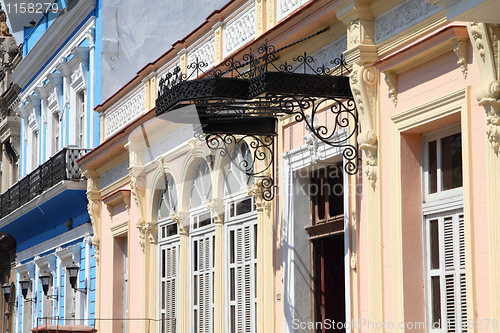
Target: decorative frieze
(285,7)
(402,17)
(114,174)
(124,114)
(239,30)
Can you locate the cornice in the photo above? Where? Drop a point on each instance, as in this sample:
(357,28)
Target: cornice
(51,41)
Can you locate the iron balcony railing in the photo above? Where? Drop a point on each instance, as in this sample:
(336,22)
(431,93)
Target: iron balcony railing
(61,166)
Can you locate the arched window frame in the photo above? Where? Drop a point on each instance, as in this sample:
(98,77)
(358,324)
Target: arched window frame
(168,251)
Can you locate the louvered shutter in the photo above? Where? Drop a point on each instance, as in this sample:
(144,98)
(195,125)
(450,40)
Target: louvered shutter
(242,277)
(203,283)
(169,257)
(451,273)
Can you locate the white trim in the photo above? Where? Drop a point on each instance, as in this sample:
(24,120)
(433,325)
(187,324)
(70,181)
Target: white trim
(293,161)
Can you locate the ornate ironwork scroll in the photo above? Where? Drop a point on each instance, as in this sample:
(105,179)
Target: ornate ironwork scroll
(260,84)
(260,162)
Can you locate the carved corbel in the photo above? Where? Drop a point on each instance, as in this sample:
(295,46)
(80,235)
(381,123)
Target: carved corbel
(94,209)
(261,205)
(182,220)
(461,49)
(216,206)
(484,38)
(363,83)
(392,82)
(137,187)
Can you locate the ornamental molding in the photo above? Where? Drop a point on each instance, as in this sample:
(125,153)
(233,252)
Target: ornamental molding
(147,229)
(256,191)
(485,40)
(391,79)
(124,114)
(182,220)
(216,206)
(363,81)
(94,209)
(78,65)
(239,30)
(26,271)
(69,255)
(402,17)
(46,264)
(461,49)
(312,141)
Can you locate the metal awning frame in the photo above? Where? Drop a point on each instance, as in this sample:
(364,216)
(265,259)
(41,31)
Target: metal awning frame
(259,85)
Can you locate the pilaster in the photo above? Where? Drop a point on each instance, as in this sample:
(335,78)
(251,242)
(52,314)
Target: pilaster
(260,17)
(361,53)
(218,33)
(216,206)
(485,39)
(182,220)
(265,260)
(94,210)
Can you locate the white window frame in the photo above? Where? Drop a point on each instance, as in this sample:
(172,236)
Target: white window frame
(457,271)
(204,233)
(167,243)
(440,194)
(234,223)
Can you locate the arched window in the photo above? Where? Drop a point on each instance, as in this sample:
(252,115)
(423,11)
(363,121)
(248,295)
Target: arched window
(238,170)
(201,189)
(168,199)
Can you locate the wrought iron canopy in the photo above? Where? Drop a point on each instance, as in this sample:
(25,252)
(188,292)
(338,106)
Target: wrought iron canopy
(246,96)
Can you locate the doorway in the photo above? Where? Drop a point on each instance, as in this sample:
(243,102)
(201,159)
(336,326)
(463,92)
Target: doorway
(329,284)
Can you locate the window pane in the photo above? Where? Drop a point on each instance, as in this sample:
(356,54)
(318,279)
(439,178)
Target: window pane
(163,263)
(244,206)
(233,285)
(436,302)
(434,238)
(451,162)
(231,246)
(195,294)
(432,167)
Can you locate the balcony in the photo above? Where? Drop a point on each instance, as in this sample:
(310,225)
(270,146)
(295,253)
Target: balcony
(61,166)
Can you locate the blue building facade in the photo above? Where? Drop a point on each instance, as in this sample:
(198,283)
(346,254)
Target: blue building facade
(45,211)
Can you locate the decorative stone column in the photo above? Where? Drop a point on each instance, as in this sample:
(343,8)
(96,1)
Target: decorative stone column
(216,206)
(485,39)
(182,220)
(265,260)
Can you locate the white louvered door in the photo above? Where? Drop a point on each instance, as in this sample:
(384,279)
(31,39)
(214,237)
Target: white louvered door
(446,267)
(242,269)
(169,264)
(203,275)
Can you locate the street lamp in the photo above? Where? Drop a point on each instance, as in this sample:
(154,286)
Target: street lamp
(73,270)
(6,289)
(25,286)
(45,279)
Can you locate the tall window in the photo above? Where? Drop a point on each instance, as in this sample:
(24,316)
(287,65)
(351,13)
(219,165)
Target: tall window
(81,118)
(202,247)
(34,150)
(56,130)
(443,164)
(444,231)
(169,256)
(241,245)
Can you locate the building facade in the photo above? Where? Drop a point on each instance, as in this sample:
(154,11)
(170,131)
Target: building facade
(187,242)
